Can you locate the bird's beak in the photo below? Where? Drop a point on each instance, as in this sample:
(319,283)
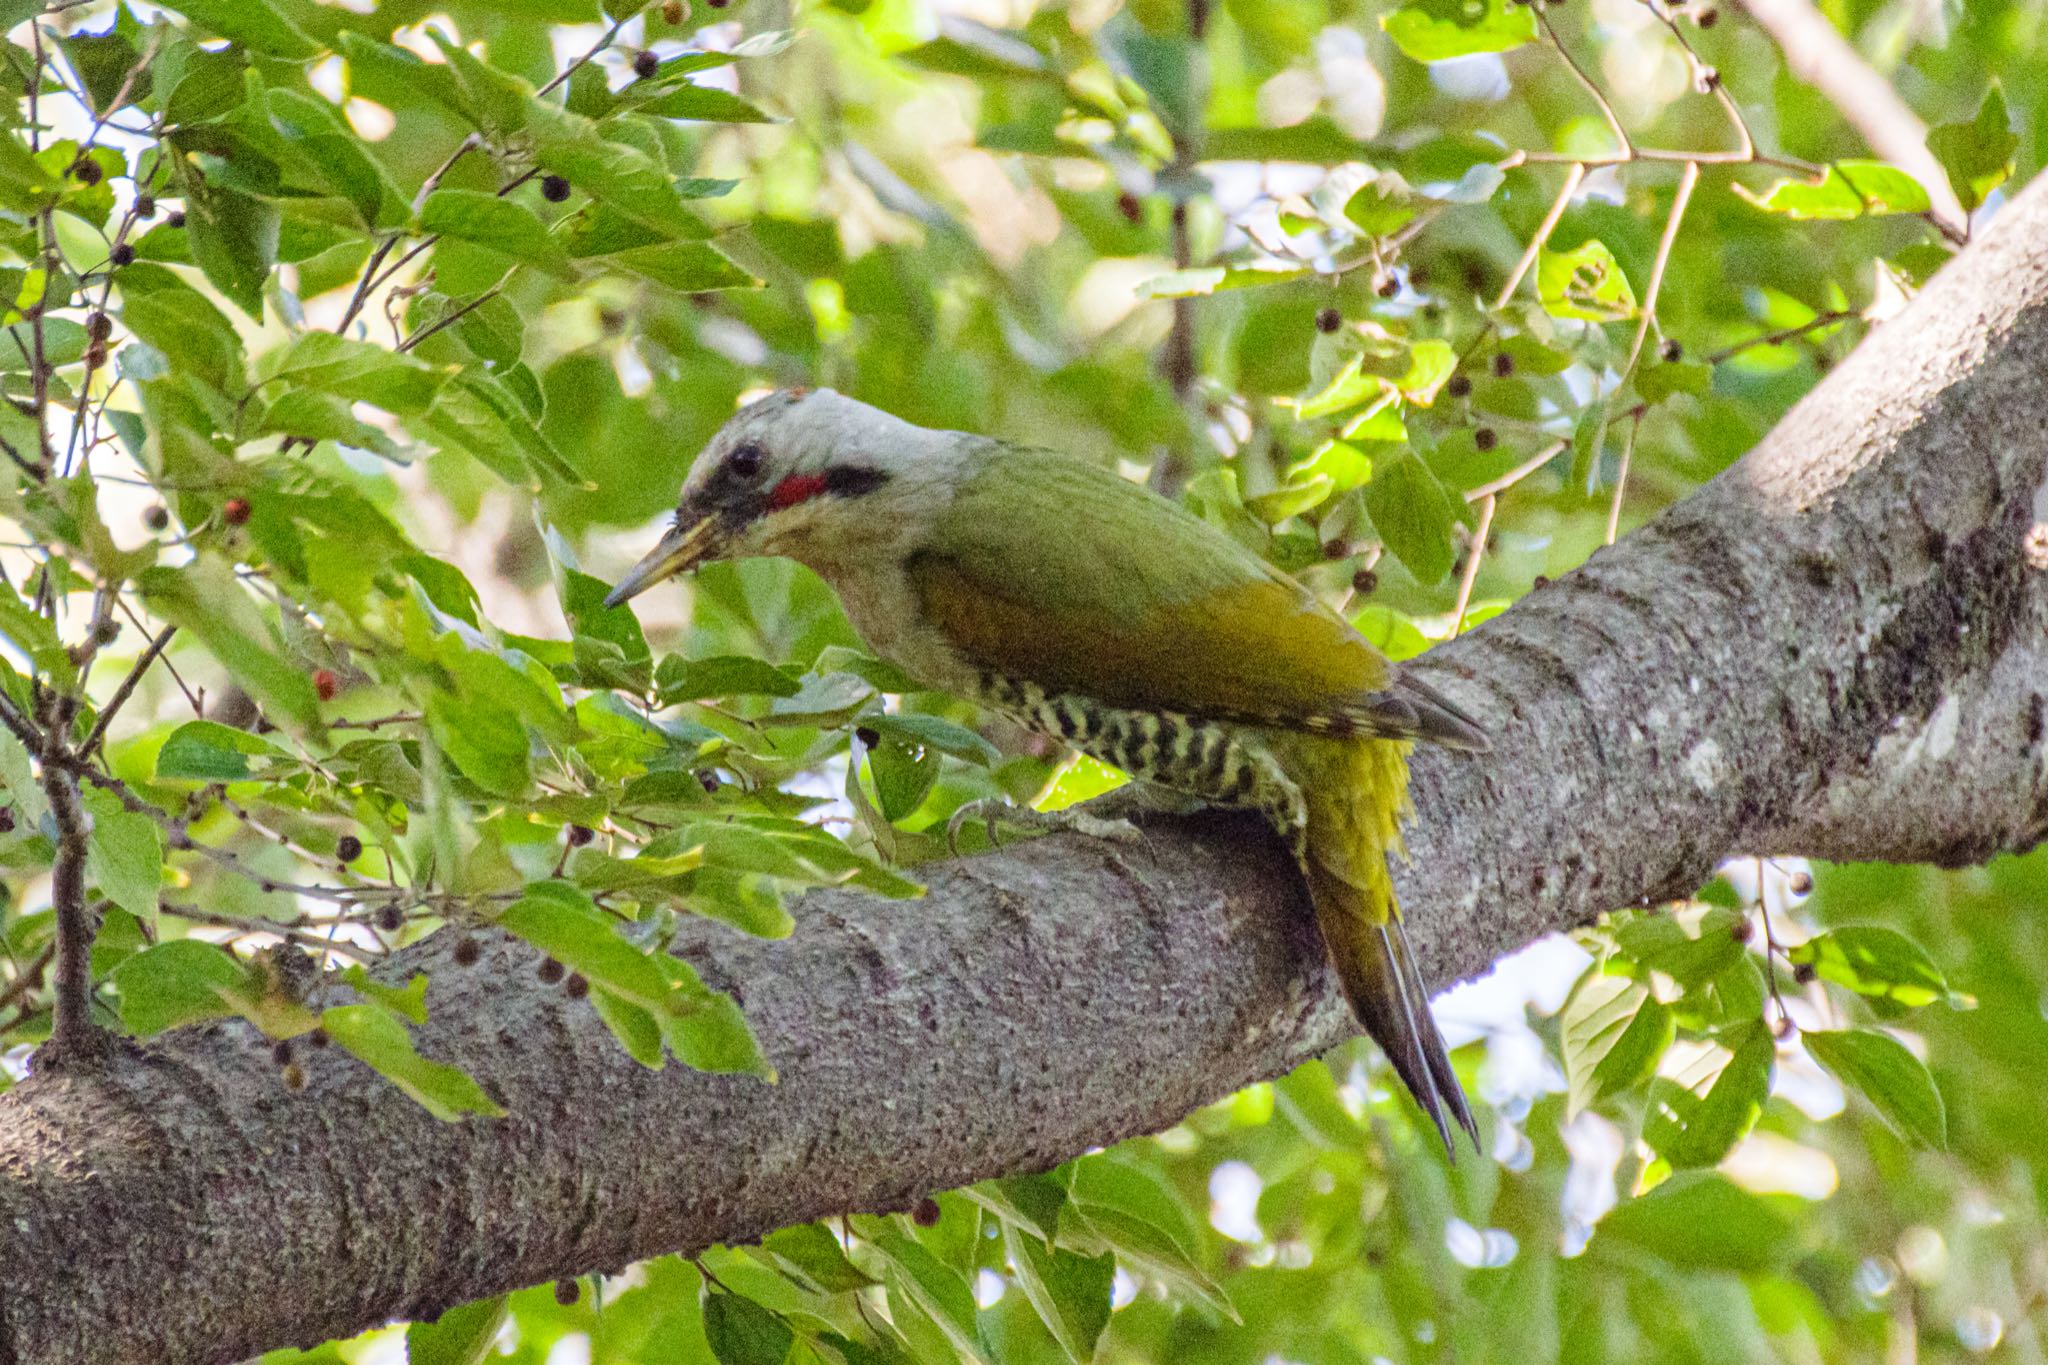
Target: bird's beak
(682,549)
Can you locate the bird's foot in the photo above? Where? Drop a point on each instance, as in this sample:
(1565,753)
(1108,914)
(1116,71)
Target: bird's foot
(995,812)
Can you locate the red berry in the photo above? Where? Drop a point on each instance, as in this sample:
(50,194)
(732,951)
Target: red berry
(1127,204)
(235,511)
(325,684)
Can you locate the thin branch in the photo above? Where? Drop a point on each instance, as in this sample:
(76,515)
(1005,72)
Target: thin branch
(1557,207)
(125,690)
(73,1034)
(1592,88)
(1628,451)
(1518,473)
(1472,558)
(1784,334)
(1686,181)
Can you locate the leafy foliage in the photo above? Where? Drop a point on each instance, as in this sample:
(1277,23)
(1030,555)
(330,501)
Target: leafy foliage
(341,339)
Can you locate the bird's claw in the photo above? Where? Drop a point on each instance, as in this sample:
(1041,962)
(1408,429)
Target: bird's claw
(996,812)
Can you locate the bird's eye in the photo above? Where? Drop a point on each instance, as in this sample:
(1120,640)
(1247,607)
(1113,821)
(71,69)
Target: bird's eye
(744,462)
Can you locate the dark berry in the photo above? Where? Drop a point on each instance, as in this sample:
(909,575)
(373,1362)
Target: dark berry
(156,518)
(868,738)
(1485,438)
(1541,580)
(390,919)
(672,13)
(294,1077)
(1459,386)
(1336,549)
(122,254)
(467,951)
(718,4)
(86,171)
(567,1292)
(281,1052)
(325,684)
(1329,320)
(554,188)
(579,835)
(576,987)
(1503,365)
(348,848)
(235,511)
(551,971)
(99,326)
(1804,972)
(1707,17)
(1127,204)
(1364,581)
(1743,931)
(708,780)
(145,206)
(1386,286)
(6,819)
(1801,884)
(318,1037)
(106,632)
(926,1214)
(1671,351)
(176,218)
(646,64)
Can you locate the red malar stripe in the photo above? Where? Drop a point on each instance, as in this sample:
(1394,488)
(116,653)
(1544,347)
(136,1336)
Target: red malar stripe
(795,489)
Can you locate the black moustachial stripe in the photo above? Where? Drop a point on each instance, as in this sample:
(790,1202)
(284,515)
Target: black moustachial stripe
(853,481)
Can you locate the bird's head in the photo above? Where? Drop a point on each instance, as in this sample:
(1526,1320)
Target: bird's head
(807,473)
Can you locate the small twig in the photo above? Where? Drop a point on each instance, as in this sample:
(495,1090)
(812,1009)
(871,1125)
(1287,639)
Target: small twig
(1518,473)
(1686,181)
(1549,225)
(1782,335)
(1592,88)
(1472,558)
(125,690)
(1628,451)
(458,315)
(29,977)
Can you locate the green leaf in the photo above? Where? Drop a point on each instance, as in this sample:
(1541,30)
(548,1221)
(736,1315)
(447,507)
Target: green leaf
(935,732)
(625,178)
(125,856)
(1070,1293)
(677,679)
(1875,961)
(1886,1072)
(17,774)
(1850,189)
(379,1041)
(254,24)
(104,63)
(496,222)
(355,370)
(234,238)
(1413,516)
(1436,30)
(742,1332)
(704,104)
(1978,155)
(1695,1122)
(937,1290)
(1612,1034)
(636,1029)
(1585,282)
(1381,207)
(903,772)
(1691,949)
(26,185)
(1699,1221)
(175,983)
(204,599)
(207,751)
(814,1255)
(196,336)
(1658,382)
(463,1335)
(563,922)
(686,267)
(31,633)
(408,1002)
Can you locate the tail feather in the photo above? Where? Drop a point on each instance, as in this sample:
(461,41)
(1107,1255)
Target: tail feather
(1385,990)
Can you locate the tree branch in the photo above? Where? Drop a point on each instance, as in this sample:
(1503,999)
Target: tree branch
(1816,52)
(1836,648)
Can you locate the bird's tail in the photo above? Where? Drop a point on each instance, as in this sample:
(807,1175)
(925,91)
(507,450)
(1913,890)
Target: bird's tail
(1356,796)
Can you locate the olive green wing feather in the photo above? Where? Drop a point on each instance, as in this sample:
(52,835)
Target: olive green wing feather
(1055,571)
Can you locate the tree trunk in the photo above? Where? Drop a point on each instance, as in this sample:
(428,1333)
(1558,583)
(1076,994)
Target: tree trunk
(1838,648)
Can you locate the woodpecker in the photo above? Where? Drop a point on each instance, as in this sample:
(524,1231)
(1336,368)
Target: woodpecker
(1091,609)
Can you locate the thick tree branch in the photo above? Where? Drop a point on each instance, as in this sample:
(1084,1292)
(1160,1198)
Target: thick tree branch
(1836,648)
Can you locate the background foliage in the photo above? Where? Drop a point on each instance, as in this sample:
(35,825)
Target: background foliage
(352,346)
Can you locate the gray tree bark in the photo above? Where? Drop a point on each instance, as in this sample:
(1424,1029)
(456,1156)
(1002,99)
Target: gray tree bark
(1838,648)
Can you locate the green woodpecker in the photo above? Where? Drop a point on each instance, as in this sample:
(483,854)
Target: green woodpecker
(1099,613)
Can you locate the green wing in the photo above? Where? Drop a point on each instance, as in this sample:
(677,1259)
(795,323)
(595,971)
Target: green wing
(1056,571)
